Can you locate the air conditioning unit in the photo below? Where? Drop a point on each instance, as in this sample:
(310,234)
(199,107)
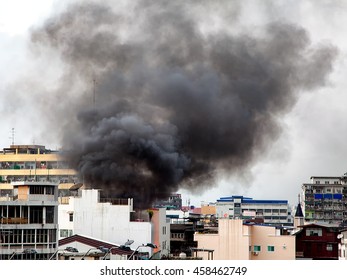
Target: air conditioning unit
(255,253)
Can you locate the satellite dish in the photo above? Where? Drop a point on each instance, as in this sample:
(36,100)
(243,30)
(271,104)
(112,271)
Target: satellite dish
(76,186)
(129,242)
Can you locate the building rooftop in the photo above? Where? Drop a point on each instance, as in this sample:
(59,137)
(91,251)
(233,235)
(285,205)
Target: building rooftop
(27,149)
(321,224)
(33,183)
(251,200)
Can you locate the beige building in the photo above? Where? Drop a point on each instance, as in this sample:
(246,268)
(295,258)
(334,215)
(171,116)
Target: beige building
(34,163)
(238,241)
(208,209)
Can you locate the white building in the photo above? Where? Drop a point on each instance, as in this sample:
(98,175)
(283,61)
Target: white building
(240,207)
(113,221)
(342,237)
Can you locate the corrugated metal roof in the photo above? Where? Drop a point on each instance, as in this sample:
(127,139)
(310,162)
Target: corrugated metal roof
(94,243)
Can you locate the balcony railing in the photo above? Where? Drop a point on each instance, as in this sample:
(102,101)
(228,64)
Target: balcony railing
(115,201)
(14,220)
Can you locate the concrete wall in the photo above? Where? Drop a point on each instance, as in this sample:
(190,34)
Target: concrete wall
(264,236)
(64,211)
(104,221)
(231,243)
(236,241)
(161,231)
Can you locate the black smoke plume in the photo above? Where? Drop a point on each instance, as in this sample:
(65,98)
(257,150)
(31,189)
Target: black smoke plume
(163,102)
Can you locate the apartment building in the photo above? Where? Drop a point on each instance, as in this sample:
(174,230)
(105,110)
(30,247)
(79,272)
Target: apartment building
(324,199)
(275,212)
(34,163)
(29,221)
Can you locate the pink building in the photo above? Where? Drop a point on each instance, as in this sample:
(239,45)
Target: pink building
(238,241)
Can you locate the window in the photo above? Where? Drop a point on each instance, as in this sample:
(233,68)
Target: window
(64,233)
(37,190)
(29,236)
(41,235)
(256,248)
(177,235)
(314,232)
(49,215)
(164,230)
(271,248)
(71,217)
(50,190)
(329,247)
(36,215)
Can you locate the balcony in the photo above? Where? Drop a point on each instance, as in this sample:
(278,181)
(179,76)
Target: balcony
(41,197)
(14,221)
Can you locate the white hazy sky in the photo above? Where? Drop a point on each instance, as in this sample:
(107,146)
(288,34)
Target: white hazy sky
(313,142)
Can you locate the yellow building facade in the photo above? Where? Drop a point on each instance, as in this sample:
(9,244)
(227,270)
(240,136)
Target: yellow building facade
(34,163)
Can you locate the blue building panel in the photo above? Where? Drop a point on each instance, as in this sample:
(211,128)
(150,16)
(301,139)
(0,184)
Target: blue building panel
(250,200)
(318,196)
(268,201)
(338,196)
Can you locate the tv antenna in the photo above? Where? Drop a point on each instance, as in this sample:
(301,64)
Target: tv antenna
(94,91)
(12,135)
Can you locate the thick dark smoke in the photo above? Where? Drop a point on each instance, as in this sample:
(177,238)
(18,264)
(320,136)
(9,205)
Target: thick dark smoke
(174,105)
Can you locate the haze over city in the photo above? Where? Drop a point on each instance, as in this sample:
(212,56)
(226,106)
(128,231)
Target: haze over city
(283,63)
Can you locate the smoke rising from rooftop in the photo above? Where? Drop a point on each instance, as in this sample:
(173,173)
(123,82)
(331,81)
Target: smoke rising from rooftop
(175,105)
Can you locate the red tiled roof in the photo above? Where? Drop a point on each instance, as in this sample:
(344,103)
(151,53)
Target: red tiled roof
(94,243)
